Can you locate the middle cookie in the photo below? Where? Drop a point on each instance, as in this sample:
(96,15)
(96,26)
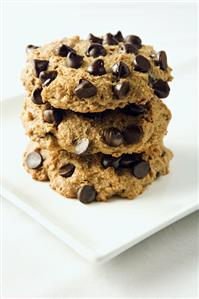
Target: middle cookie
(131,129)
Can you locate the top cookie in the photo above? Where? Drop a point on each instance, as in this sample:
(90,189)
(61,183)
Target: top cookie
(96,74)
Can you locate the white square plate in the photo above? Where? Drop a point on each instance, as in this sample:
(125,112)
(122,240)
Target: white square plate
(100,231)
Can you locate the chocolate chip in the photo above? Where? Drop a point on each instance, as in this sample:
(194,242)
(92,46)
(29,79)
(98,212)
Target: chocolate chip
(74,60)
(134,40)
(67,170)
(116,163)
(52,115)
(63,50)
(124,161)
(40,65)
(47,77)
(121,89)
(81,146)
(29,48)
(97,68)
(86,194)
(110,39)
(95,39)
(141,169)
(142,64)
(161,60)
(134,109)
(48,115)
(120,70)
(127,160)
(119,37)
(36,96)
(132,134)
(85,89)
(96,50)
(34,160)
(107,161)
(112,137)
(129,48)
(161,88)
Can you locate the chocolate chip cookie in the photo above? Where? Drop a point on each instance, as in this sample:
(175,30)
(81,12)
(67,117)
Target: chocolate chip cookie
(96,74)
(133,128)
(97,177)
(95,115)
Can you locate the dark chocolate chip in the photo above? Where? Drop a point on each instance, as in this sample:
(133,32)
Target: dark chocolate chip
(112,137)
(29,48)
(141,169)
(161,60)
(119,37)
(134,40)
(74,60)
(95,39)
(86,194)
(142,64)
(107,161)
(40,65)
(120,70)
(134,109)
(85,89)
(161,88)
(121,89)
(124,161)
(127,160)
(129,48)
(63,50)
(81,146)
(110,39)
(34,160)
(67,170)
(97,68)
(52,115)
(116,163)
(36,96)
(47,77)
(96,50)
(132,134)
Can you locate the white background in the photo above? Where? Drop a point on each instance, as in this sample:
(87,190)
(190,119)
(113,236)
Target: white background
(34,262)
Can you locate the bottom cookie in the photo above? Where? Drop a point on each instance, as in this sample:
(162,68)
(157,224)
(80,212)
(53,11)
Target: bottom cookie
(97,177)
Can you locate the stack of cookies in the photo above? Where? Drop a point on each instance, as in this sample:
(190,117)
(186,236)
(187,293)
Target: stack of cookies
(95,115)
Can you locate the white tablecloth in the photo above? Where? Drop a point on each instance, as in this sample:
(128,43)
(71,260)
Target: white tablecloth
(34,263)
